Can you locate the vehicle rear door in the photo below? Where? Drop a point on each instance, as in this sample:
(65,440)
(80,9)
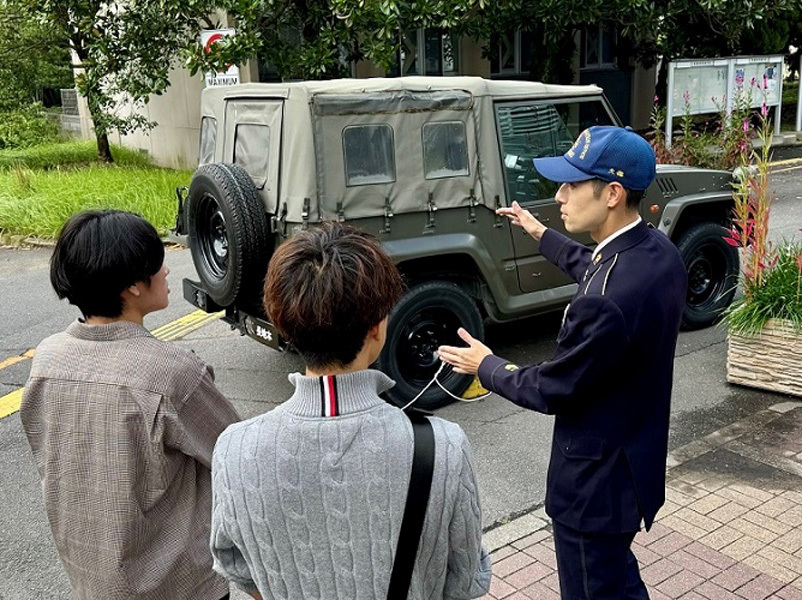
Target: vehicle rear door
(253,141)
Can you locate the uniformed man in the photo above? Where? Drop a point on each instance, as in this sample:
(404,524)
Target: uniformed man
(609,382)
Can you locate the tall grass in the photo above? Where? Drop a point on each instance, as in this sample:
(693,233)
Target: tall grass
(41,187)
(70,154)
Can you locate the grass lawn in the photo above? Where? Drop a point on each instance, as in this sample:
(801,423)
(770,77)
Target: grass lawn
(41,187)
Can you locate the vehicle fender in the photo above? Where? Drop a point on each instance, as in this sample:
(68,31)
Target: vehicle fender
(672,213)
(430,247)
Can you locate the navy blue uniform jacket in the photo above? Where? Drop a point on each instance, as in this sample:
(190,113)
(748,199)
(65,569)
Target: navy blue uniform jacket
(609,383)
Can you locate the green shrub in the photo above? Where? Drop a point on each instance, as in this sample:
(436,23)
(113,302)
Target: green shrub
(778,297)
(25,127)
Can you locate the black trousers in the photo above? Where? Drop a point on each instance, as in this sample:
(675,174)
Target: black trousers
(597,566)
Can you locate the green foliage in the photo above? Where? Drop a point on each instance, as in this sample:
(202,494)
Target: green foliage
(318,40)
(771,277)
(66,155)
(32,57)
(36,203)
(714,144)
(779,297)
(26,126)
(125,52)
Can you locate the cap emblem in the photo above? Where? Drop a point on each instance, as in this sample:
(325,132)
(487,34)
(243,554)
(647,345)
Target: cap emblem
(586,136)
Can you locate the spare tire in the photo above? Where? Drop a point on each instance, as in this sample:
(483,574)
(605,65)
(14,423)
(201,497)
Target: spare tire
(229,234)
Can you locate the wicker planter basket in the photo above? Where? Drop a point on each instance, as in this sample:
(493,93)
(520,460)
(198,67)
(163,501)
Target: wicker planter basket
(771,360)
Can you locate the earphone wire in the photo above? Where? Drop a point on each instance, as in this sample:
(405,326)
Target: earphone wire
(442,387)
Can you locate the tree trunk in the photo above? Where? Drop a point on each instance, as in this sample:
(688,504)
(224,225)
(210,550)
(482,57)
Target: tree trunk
(104,149)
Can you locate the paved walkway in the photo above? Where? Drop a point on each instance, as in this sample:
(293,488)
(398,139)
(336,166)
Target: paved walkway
(731,527)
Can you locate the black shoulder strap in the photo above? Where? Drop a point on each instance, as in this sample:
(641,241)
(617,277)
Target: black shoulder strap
(420,484)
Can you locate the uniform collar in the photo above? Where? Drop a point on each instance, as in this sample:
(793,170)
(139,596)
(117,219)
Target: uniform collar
(618,241)
(119,330)
(336,395)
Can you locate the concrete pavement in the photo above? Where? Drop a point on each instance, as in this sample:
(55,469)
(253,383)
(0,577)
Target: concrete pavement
(731,527)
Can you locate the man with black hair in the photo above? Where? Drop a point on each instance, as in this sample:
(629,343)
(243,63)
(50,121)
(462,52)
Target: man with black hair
(122,425)
(309,497)
(609,382)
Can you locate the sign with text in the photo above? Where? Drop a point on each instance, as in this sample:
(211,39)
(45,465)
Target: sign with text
(231,75)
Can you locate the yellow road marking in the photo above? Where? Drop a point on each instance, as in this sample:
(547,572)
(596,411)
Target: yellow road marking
(13,360)
(787,161)
(185,325)
(774,172)
(9,403)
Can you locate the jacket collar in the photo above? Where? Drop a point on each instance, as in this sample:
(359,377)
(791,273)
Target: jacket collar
(619,243)
(110,332)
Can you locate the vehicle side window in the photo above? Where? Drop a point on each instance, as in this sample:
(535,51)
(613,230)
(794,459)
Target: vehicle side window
(536,130)
(251,150)
(369,154)
(445,150)
(208,140)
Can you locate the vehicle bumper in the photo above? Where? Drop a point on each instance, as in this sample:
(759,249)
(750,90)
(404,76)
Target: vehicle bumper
(257,328)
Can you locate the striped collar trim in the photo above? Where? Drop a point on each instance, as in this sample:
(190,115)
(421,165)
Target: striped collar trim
(329,404)
(336,395)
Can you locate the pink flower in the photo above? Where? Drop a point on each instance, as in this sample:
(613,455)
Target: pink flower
(764,110)
(746,125)
(752,82)
(686,95)
(656,98)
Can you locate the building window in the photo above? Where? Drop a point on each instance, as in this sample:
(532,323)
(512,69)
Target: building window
(445,150)
(369,154)
(427,52)
(513,55)
(599,47)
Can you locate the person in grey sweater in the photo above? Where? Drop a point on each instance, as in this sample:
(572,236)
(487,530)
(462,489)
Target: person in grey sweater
(308,498)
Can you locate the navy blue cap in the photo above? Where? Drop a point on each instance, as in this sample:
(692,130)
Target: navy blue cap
(607,153)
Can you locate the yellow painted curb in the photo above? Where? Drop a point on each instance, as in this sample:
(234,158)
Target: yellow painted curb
(9,403)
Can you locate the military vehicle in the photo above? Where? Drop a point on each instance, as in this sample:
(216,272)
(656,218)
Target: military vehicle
(423,163)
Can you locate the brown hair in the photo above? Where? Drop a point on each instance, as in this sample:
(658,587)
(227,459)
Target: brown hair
(325,289)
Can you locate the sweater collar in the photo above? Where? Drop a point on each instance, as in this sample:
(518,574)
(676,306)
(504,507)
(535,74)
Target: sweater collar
(119,330)
(335,395)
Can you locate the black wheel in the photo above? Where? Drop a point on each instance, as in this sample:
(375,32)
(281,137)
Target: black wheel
(228,234)
(712,266)
(427,317)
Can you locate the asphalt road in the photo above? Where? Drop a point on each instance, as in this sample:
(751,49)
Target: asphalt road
(511,445)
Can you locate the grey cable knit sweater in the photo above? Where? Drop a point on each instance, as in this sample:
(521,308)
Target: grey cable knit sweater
(308,498)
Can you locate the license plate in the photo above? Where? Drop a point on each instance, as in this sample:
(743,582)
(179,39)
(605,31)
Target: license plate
(262,331)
